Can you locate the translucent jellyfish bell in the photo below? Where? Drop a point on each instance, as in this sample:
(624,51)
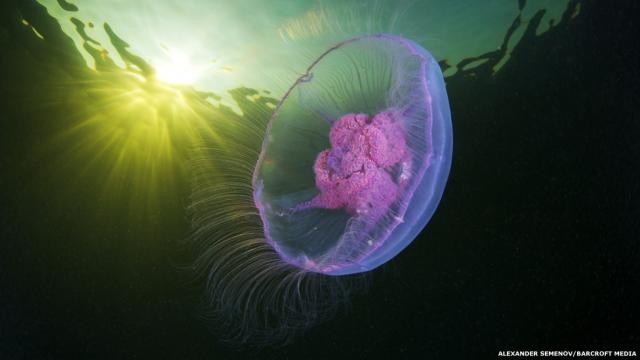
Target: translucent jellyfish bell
(356,156)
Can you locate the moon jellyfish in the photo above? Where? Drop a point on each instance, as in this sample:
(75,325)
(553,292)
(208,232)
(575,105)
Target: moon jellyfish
(356,156)
(349,167)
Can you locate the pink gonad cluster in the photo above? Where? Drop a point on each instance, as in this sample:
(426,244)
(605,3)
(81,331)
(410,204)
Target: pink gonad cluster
(365,167)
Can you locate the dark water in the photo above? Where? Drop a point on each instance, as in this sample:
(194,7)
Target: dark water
(534,246)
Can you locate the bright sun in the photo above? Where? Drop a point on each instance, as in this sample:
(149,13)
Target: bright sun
(177,68)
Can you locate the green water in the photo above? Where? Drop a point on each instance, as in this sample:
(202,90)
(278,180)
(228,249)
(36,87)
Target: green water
(220,45)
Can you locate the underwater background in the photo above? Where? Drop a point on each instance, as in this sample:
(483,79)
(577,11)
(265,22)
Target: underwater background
(103,104)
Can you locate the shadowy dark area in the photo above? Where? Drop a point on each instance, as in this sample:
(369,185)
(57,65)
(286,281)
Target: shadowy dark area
(534,245)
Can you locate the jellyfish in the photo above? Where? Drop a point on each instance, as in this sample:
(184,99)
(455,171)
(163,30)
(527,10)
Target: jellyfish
(356,157)
(349,169)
